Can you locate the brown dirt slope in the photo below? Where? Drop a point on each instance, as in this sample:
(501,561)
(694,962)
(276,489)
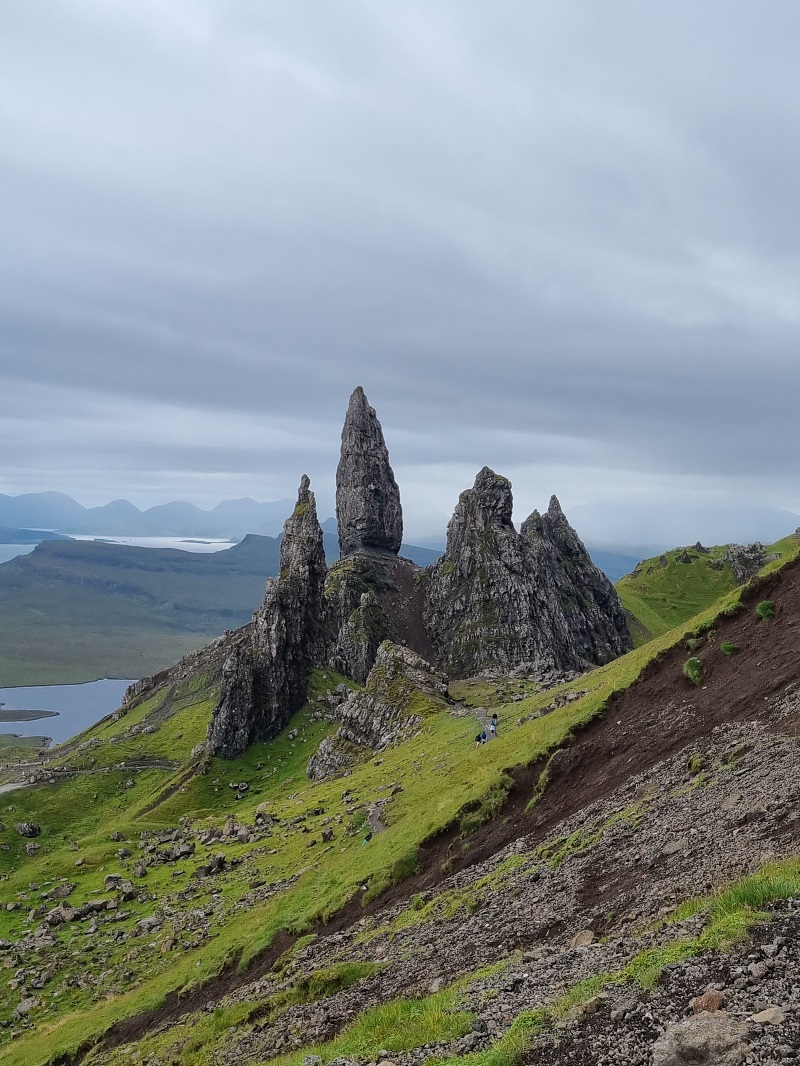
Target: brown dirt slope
(659,715)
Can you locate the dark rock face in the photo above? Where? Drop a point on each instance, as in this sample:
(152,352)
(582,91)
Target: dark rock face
(497,600)
(383,714)
(498,597)
(232,720)
(370,598)
(264,681)
(746,560)
(367,497)
(595,620)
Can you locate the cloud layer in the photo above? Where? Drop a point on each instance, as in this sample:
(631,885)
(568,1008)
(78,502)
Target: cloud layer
(563,240)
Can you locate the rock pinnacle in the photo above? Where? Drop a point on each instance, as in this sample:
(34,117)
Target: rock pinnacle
(368,508)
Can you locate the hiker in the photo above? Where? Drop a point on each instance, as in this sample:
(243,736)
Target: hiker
(366,839)
(480,738)
(493,726)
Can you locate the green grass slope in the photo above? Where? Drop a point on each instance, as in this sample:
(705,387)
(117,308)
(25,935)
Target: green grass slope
(124,782)
(666,591)
(77,610)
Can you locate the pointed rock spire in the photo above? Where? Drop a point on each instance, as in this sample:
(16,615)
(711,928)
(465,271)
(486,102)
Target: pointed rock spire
(264,682)
(368,508)
(498,598)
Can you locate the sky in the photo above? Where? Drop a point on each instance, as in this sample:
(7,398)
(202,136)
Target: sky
(559,239)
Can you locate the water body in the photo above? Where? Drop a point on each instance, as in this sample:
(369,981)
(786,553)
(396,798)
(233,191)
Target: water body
(187,544)
(75,708)
(11,551)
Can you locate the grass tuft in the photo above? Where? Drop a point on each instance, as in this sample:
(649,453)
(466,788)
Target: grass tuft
(693,670)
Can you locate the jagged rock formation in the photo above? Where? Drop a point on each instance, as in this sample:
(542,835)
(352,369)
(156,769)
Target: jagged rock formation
(595,620)
(368,508)
(746,560)
(499,597)
(400,687)
(370,598)
(264,681)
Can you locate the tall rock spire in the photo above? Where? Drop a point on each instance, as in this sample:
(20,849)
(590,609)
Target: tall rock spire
(368,508)
(264,681)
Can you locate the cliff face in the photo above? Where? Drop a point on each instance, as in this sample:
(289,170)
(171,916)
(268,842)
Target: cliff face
(367,497)
(499,598)
(264,680)
(371,597)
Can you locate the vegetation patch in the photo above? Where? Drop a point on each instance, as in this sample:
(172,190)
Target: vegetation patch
(765,610)
(693,670)
(488,807)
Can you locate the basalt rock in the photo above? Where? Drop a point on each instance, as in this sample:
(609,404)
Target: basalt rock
(370,598)
(746,560)
(368,509)
(401,686)
(498,597)
(264,680)
(592,613)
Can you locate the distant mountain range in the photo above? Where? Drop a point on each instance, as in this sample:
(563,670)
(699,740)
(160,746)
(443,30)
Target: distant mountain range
(231,518)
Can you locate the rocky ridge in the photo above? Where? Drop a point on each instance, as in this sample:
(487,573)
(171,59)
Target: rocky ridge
(496,599)
(264,680)
(383,713)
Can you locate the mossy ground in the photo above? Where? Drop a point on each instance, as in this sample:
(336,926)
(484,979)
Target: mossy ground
(126,784)
(664,592)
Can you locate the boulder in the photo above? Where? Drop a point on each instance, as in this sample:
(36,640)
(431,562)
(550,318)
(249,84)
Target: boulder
(715,1039)
(710,1001)
(28,829)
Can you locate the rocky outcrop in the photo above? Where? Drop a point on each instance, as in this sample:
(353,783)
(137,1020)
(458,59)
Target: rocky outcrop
(264,681)
(367,497)
(400,689)
(592,613)
(746,560)
(496,600)
(232,720)
(498,597)
(370,598)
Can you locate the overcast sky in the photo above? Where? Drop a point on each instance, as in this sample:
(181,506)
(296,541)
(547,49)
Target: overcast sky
(559,239)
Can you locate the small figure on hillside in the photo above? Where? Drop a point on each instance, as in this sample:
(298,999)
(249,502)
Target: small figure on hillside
(367,838)
(493,726)
(480,738)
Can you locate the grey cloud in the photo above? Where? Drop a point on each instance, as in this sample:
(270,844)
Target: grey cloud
(561,239)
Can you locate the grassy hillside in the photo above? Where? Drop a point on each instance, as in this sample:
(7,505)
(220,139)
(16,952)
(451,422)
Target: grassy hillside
(669,589)
(77,610)
(74,611)
(132,788)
